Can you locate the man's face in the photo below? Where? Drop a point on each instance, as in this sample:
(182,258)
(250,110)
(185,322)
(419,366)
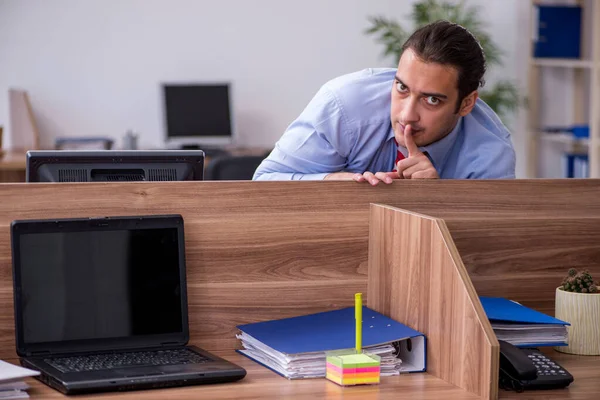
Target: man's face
(424,95)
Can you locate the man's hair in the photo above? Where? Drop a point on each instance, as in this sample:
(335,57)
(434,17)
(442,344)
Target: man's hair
(445,43)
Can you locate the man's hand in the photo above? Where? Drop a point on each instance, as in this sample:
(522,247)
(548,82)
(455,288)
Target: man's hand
(417,165)
(372,178)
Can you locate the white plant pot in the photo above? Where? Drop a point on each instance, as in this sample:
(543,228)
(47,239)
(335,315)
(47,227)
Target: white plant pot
(582,311)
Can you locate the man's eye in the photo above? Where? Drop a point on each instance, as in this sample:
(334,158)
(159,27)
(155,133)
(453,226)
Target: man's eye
(401,87)
(433,101)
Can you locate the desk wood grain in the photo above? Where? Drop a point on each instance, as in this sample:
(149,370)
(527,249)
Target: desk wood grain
(261,383)
(306,243)
(526,258)
(416,276)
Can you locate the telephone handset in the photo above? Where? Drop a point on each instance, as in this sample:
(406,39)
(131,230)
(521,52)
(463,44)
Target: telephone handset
(529,369)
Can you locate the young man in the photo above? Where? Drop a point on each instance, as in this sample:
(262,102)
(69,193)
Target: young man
(432,126)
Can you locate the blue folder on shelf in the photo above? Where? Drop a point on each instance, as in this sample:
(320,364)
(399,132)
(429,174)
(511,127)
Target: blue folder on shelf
(523,326)
(557,33)
(295,347)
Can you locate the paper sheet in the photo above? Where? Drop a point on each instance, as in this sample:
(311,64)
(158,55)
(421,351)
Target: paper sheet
(11,373)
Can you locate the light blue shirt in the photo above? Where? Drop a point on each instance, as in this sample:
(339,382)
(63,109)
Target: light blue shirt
(347,127)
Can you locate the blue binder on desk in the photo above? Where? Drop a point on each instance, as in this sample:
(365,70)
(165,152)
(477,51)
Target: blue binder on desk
(295,347)
(523,326)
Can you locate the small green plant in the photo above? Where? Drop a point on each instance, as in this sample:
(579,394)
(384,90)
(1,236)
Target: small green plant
(579,282)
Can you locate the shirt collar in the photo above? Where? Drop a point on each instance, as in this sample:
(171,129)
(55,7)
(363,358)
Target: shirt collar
(437,151)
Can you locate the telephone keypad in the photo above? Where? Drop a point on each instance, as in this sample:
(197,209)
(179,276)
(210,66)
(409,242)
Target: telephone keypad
(545,366)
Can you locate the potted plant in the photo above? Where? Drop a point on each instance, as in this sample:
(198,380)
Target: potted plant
(578,302)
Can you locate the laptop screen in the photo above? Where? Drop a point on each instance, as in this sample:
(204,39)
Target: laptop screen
(83,281)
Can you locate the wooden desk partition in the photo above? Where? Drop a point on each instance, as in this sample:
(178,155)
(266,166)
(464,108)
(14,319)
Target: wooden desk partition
(526,258)
(417,277)
(263,250)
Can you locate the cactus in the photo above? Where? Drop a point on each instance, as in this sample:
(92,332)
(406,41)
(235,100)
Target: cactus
(580,282)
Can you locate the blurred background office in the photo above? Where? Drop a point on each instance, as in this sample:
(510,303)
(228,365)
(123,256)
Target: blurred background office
(98,68)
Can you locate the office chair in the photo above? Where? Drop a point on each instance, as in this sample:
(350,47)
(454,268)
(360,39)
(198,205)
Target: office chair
(232,168)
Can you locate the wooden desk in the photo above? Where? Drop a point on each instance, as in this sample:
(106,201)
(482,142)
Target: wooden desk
(305,244)
(264,384)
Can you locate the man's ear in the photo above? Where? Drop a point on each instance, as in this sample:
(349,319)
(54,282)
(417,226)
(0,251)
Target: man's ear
(468,103)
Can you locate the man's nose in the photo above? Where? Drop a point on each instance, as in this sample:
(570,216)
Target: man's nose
(409,111)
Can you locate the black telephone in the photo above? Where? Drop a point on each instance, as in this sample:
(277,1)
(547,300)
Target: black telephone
(529,369)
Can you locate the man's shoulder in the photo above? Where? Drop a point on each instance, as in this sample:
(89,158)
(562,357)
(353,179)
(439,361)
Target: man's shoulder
(487,144)
(482,119)
(368,76)
(363,95)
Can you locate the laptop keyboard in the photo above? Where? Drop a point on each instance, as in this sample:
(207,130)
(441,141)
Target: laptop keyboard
(96,362)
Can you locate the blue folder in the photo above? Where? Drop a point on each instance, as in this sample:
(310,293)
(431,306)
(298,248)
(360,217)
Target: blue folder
(334,330)
(558,31)
(504,310)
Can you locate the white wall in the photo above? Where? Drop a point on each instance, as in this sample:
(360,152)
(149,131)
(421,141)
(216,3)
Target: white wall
(94,67)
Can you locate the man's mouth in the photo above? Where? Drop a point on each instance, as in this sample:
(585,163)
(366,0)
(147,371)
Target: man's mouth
(413,129)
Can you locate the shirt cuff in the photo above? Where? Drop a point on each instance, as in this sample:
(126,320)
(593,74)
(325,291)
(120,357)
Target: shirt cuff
(310,177)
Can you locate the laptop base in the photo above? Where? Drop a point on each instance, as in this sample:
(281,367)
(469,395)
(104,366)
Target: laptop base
(137,384)
(217,370)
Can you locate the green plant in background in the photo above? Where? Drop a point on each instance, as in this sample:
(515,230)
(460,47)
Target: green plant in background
(580,282)
(503,97)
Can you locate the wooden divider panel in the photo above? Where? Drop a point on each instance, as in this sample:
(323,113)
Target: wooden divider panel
(417,277)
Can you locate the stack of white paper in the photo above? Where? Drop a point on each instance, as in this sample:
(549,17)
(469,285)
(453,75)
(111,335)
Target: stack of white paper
(11,384)
(520,334)
(311,365)
(522,326)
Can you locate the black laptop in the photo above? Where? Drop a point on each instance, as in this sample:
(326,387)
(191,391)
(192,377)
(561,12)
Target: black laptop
(101,305)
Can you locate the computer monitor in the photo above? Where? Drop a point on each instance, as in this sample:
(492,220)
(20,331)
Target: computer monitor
(114,165)
(198,115)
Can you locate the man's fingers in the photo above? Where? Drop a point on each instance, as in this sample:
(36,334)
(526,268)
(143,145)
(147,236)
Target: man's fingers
(358,178)
(394,175)
(374,179)
(371,178)
(420,171)
(416,167)
(384,177)
(408,173)
(406,163)
(409,141)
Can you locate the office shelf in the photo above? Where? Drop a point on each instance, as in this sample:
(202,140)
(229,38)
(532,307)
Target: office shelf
(586,78)
(563,138)
(563,63)
(569,143)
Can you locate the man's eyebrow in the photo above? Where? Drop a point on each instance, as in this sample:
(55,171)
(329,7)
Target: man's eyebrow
(426,94)
(439,95)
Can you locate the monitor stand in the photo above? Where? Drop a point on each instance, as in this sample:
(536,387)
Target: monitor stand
(209,151)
